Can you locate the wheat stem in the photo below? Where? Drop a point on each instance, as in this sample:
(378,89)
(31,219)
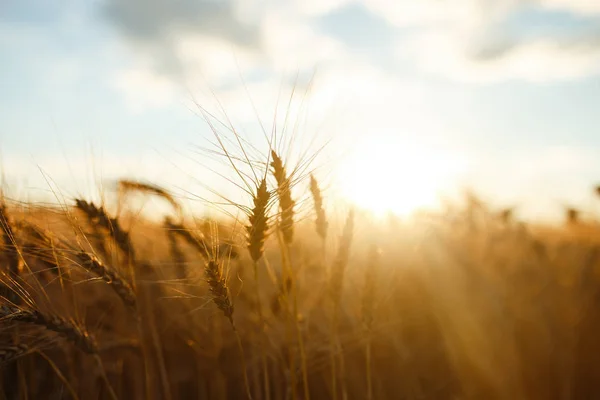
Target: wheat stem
(336,286)
(262,322)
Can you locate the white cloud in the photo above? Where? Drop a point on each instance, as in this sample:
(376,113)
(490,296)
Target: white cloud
(584,7)
(206,63)
(539,60)
(252,10)
(317,7)
(467,13)
(213,58)
(544,60)
(292,44)
(458,14)
(440,41)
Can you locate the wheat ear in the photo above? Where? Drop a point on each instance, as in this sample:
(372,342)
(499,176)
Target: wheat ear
(12,352)
(286,203)
(257,230)
(41,246)
(64,328)
(218,288)
(98,215)
(321,219)
(121,287)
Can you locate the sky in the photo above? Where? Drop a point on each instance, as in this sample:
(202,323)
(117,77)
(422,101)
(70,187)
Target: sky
(500,96)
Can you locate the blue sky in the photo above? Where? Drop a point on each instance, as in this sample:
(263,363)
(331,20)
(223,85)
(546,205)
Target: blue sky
(94,90)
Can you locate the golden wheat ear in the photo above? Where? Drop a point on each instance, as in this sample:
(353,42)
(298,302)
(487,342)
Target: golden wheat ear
(97,216)
(286,203)
(321,219)
(121,287)
(41,246)
(218,288)
(257,230)
(66,329)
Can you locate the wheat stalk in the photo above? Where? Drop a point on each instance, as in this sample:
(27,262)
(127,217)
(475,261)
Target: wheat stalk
(13,258)
(8,239)
(341,259)
(336,280)
(367,306)
(176,253)
(369,288)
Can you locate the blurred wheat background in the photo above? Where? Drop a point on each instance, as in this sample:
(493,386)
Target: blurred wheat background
(465,303)
(299,199)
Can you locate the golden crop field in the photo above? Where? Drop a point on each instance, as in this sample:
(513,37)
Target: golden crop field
(464,303)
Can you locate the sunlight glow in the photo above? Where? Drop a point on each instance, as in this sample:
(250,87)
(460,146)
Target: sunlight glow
(384,175)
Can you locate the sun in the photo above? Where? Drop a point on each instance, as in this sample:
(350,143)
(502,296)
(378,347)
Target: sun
(384,175)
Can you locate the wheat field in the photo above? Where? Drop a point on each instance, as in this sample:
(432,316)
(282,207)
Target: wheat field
(293,301)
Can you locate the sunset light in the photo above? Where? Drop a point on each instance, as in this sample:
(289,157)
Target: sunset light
(385,175)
